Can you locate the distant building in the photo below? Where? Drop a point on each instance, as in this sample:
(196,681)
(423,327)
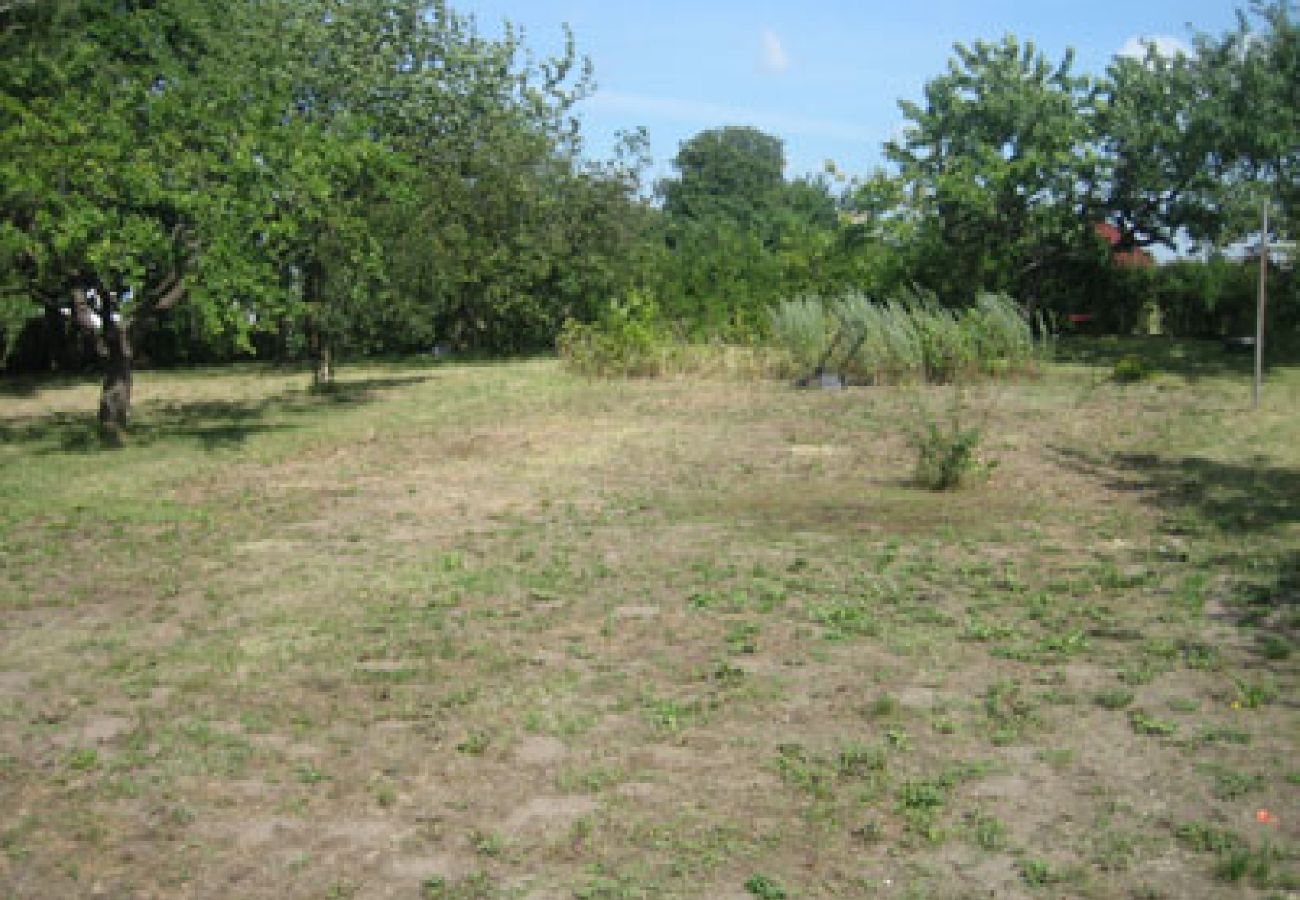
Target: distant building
(1137,258)
(1281,254)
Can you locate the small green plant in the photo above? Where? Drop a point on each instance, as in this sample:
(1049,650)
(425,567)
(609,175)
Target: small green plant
(1040,873)
(743,638)
(83,760)
(488,843)
(1129,369)
(856,760)
(309,774)
(883,706)
(1251,695)
(1275,647)
(1150,726)
(1206,838)
(946,449)
(989,833)
(1009,711)
(670,715)
(1240,862)
(809,773)
(1225,734)
(766,888)
(1229,784)
(475,743)
(1117,698)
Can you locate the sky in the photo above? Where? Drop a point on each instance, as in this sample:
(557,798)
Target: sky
(824,75)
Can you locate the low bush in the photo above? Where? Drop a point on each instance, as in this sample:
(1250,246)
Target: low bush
(1129,369)
(946,448)
(628,339)
(631,339)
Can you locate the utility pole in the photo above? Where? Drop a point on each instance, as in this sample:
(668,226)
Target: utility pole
(1263,303)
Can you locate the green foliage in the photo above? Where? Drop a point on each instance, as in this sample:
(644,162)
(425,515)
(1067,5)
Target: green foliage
(733,173)
(1130,368)
(1011,160)
(803,327)
(994,155)
(946,449)
(765,888)
(628,339)
(631,339)
(1142,723)
(738,236)
(366,176)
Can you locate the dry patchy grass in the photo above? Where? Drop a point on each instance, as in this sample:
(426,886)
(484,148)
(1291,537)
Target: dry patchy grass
(496,631)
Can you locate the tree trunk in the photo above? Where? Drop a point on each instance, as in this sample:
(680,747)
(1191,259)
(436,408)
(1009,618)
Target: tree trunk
(115,396)
(324,373)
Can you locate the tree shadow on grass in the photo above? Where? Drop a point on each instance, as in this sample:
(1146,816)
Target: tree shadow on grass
(1248,512)
(1192,359)
(212,424)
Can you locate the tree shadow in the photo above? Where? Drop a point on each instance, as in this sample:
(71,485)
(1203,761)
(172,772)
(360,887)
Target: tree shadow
(1192,359)
(1248,510)
(212,424)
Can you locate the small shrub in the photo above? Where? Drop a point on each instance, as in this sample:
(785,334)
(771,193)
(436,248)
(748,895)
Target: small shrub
(1129,369)
(946,450)
(765,888)
(628,340)
(632,340)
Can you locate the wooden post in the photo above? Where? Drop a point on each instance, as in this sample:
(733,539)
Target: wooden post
(1263,303)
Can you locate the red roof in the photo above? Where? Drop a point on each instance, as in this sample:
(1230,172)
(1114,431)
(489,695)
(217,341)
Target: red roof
(1136,258)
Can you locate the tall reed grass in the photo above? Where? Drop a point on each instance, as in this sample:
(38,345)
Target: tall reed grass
(911,337)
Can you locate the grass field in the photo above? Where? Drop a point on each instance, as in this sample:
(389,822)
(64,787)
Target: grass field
(497,631)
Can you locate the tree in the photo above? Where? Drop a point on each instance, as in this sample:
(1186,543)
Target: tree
(268,164)
(111,113)
(1000,165)
(734,173)
(740,236)
(1192,140)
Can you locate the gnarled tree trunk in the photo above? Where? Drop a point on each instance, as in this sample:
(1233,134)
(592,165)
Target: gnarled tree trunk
(115,396)
(112,336)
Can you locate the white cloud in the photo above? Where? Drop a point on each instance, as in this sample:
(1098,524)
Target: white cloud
(1166,46)
(774,60)
(696,112)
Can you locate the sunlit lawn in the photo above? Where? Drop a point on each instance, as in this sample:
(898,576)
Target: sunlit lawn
(493,630)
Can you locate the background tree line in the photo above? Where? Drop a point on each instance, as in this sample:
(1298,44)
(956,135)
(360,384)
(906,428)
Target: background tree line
(303,178)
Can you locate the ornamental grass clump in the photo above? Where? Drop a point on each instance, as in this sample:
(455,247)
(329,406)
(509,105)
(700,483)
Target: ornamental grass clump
(909,338)
(803,328)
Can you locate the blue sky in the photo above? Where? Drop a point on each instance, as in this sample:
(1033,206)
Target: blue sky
(824,75)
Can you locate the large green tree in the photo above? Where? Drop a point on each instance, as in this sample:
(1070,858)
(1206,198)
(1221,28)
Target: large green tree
(734,173)
(109,117)
(1000,166)
(361,173)
(740,235)
(1192,141)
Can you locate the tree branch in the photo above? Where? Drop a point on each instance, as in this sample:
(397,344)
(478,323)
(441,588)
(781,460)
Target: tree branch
(167,294)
